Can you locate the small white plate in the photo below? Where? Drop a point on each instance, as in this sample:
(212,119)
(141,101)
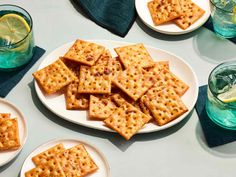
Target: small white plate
(96,155)
(171,28)
(6,107)
(56,102)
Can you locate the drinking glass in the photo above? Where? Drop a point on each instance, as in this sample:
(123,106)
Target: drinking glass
(221,95)
(16,37)
(223,13)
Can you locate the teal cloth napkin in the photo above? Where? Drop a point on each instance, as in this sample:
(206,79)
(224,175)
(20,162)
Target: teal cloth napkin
(8,80)
(115,15)
(214,134)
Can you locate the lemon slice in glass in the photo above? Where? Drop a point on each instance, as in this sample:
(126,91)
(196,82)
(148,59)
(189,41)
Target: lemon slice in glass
(234,15)
(13,28)
(229,96)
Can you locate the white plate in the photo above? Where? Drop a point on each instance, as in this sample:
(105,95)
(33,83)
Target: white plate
(6,107)
(56,102)
(171,28)
(97,156)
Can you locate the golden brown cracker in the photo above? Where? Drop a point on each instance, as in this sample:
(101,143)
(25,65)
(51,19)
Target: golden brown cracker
(54,77)
(101,106)
(134,55)
(165,105)
(95,80)
(74,99)
(9,134)
(134,81)
(163,11)
(127,120)
(104,59)
(82,157)
(72,65)
(85,52)
(191,12)
(51,168)
(45,156)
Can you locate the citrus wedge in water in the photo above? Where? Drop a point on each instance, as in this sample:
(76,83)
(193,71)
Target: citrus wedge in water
(13,28)
(229,96)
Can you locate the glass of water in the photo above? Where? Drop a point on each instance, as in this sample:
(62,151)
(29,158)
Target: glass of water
(16,37)
(223,13)
(221,95)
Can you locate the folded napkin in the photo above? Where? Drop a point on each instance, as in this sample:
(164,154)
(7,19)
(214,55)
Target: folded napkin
(209,26)
(214,134)
(9,79)
(115,15)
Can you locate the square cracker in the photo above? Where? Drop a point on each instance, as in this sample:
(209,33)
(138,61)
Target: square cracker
(80,156)
(74,99)
(127,120)
(134,81)
(134,55)
(104,59)
(95,80)
(163,11)
(9,134)
(51,168)
(46,155)
(5,115)
(101,106)
(84,52)
(72,65)
(165,105)
(54,77)
(191,12)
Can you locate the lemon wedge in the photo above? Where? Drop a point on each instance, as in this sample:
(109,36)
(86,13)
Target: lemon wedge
(229,96)
(13,28)
(234,15)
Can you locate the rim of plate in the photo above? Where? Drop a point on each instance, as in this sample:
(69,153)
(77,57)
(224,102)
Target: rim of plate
(172,32)
(68,139)
(25,131)
(103,128)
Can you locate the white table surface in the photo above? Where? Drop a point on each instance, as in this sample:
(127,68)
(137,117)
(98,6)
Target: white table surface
(180,151)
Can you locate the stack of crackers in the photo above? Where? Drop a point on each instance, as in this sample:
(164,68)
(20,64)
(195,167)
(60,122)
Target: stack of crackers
(182,12)
(9,132)
(125,92)
(60,162)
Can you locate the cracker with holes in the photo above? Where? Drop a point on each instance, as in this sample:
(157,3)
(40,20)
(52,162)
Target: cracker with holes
(134,55)
(74,99)
(104,59)
(94,80)
(4,115)
(190,14)
(101,106)
(127,120)
(163,11)
(80,156)
(54,77)
(144,108)
(165,105)
(9,134)
(134,81)
(51,168)
(85,52)
(46,155)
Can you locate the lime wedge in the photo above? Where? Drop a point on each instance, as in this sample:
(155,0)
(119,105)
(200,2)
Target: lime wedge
(229,96)
(13,28)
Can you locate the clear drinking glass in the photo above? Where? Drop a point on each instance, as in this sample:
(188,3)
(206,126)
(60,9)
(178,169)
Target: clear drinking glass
(223,13)
(221,95)
(16,37)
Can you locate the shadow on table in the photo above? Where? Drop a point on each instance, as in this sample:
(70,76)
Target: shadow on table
(165,37)
(212,48)
(114,138)
(4,167)
(225,151)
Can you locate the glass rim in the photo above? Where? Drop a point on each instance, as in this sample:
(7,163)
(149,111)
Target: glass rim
(215,96)
(31,24)
(227,11)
